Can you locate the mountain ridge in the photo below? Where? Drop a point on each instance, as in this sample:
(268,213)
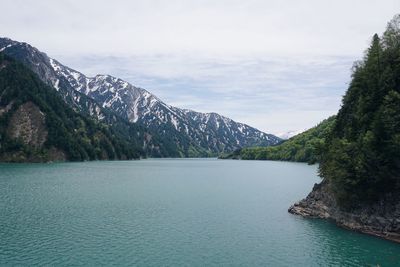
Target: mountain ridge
(36,125)
(195,133)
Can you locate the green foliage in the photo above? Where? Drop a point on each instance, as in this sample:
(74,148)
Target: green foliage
(303,147)
(359,151)
(361,159)
(78,136)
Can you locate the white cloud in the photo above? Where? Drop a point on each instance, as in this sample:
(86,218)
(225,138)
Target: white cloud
(219,27)
(276,65)
(255,91)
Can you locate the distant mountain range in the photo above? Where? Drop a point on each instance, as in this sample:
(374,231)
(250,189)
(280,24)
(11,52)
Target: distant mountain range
(289,134)
(36,125)
(185,133)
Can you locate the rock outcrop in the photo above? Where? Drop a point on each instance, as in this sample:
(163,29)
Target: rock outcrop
(28,124)
(381,219)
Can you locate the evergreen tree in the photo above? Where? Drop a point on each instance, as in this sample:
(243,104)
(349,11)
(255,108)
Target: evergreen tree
(361,157)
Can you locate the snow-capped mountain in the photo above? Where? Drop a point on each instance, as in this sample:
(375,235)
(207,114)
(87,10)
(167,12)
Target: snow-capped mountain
(290,134)
(197,133)
(40,63)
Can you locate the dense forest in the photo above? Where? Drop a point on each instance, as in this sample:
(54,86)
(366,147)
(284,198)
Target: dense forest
(361,159)
(304,147)
(65,131)
(359,149)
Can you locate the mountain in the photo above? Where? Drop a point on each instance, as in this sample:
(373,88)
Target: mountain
(36,125)
(193,133)
(304,147)
(360,161)
(287,135)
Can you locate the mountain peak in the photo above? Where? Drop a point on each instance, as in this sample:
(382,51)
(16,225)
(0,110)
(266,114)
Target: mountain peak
(201,132)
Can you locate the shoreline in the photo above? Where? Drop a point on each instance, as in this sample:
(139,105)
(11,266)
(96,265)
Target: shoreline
(382,221)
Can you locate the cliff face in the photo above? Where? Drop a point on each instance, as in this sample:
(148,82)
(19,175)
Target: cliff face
(36,125)
(381,219)
(28,124)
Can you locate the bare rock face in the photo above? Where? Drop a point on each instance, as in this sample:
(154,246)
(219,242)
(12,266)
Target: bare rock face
(28,124)
(381,219)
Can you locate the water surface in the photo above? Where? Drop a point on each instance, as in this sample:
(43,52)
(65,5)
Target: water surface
(171,212)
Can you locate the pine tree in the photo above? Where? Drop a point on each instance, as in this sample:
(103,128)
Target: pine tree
(361,159)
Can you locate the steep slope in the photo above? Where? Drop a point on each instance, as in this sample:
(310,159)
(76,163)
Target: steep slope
(153,144)
(303,147)
(362,157)
(193,132)
(40,64)
(360,163)
(37,125)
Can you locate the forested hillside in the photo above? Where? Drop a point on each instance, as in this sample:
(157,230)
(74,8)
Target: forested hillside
(37,125)
(183,132)
(361,159)
(304,147)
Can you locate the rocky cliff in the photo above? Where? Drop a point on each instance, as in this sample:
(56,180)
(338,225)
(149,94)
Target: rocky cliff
(36,125)
(381,219)
(28,123)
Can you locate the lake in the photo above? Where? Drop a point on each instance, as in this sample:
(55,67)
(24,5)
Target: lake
(171,212)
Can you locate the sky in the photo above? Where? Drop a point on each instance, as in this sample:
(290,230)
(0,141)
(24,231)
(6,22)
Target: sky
(275,65)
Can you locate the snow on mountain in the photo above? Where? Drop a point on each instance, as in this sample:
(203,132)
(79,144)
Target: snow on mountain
(289,134)
(202,131)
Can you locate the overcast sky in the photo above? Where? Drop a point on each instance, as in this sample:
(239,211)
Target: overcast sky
(275,65)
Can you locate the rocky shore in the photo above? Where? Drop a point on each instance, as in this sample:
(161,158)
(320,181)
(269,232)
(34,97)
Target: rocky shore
(381,219)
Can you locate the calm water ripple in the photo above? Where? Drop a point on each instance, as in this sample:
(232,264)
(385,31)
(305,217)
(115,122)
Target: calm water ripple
(198,212)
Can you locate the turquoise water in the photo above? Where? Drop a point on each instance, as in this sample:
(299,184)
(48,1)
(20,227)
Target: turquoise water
(198,212)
